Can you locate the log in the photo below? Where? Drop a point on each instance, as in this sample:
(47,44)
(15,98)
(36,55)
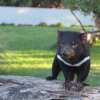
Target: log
(32,88)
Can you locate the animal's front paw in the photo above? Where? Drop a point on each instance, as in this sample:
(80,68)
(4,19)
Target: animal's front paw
(73,86)
(50,78)
(79,86)
(67,85)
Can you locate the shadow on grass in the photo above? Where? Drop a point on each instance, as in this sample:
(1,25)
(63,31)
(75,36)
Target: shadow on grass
(36,72)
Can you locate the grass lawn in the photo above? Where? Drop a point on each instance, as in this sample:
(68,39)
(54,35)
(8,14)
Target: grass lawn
(29,50)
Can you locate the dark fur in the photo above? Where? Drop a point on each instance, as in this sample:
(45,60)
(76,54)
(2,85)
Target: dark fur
(69,72)
(82,71)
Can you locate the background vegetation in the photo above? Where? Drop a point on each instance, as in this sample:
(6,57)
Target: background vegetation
(85,6)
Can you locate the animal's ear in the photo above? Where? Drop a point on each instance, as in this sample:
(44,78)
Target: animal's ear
(87,38)
(59,34)
(58,39)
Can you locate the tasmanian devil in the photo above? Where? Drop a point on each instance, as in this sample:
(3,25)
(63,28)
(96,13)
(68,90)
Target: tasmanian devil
(72,56)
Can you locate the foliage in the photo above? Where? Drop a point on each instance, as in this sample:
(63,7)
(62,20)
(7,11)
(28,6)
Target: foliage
(6,24)
(59,24)
(15,2)
(42,24)
(86,6)
(27,2)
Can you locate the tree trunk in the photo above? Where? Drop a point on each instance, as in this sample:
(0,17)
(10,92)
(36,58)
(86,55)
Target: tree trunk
(31,88)
(97,20)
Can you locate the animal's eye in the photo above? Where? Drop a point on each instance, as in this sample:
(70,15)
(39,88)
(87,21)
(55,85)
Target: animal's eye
(74,44)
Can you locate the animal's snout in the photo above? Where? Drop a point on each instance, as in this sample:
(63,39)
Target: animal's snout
(68,52)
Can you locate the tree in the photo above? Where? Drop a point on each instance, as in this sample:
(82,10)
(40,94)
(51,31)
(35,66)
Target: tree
(33,3)
(47,3)
(26,3)
(86,6)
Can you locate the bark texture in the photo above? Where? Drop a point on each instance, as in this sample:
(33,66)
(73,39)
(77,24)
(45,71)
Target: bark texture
(31,88)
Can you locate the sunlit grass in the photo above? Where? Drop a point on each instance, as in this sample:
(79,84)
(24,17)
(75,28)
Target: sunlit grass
(35,63)
(38,63)
(35,59)
(97,42)
(31,59)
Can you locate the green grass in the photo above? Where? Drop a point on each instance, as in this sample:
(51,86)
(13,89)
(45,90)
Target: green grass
(26,37)
(29,50)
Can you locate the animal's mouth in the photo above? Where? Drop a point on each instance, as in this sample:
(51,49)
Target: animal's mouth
(70,55)
(71,58)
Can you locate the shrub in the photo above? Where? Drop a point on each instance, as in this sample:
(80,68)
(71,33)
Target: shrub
(42,24)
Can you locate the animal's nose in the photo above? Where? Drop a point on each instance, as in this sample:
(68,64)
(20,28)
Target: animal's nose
(70,54)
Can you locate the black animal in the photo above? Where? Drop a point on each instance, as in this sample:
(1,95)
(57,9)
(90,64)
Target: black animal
(72,56)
